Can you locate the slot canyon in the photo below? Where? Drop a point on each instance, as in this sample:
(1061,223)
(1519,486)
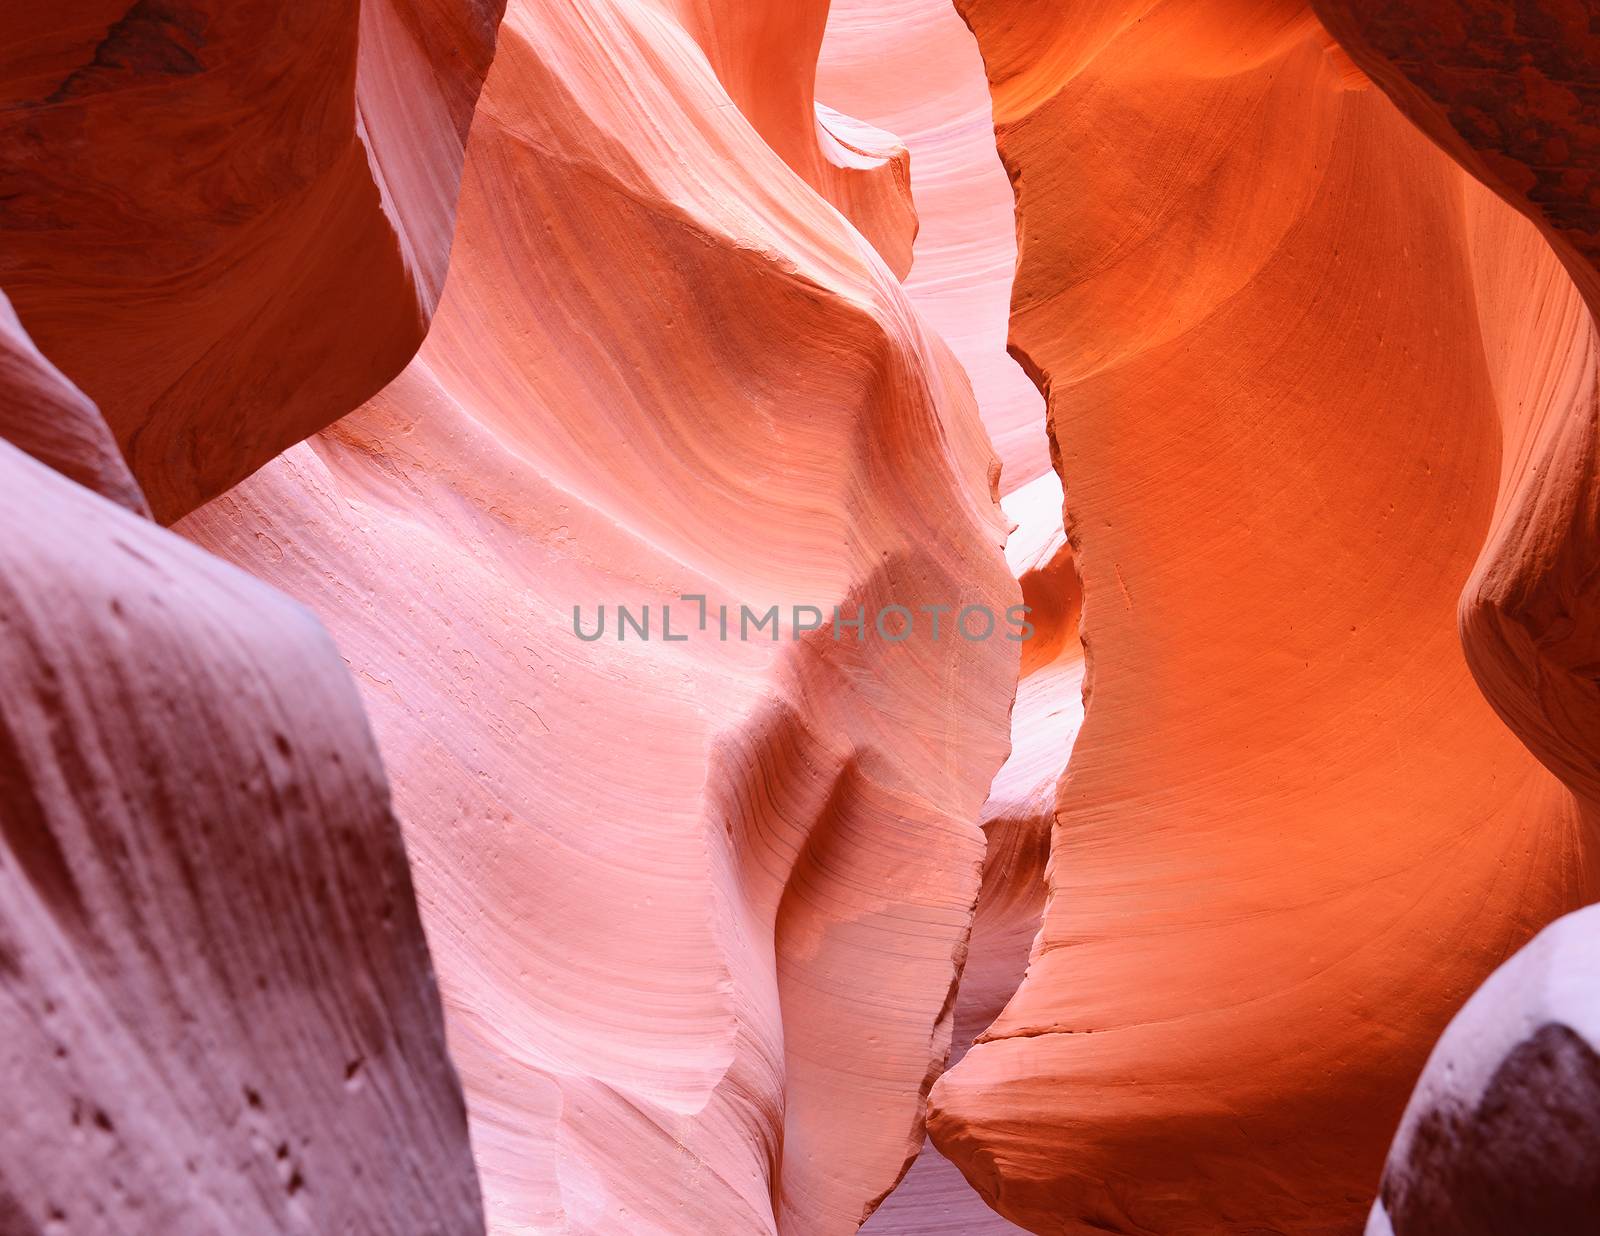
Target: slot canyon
(786,617)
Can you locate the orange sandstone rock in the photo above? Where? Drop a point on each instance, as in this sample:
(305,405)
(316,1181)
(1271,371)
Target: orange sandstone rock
(698,906)
(228,222)
(1293,836)
(912,67)
(1510,92)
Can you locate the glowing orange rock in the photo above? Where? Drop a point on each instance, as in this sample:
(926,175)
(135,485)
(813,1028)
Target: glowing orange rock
(698,906)
(1293,837)
(1507,91)
(228,222)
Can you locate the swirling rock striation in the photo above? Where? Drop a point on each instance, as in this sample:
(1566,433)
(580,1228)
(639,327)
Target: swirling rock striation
(228,222)
(912,67)
(1513,93)
(698,906)
(1293,836)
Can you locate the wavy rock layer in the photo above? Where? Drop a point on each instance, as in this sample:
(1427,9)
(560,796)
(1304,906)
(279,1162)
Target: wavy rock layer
(697,906)
(228,222)
(1512,93)
(1498,1136)
(1503,1132)
(1293,837)
(912,67)
(216,1006)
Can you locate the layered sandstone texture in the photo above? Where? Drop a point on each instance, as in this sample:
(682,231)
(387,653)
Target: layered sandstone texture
(1503,1132)
(216,1004)
(1512,92)
(912,67)
(697,906)
(934,1199)
(229,222)
(1300,368)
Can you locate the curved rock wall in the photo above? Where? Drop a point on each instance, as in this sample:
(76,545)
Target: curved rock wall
(228,222)
(1293,836)
(698,906)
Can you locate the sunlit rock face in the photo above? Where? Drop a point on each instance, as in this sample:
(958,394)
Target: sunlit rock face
(228,222)
(1503,1132)
(697,906)
(217,1012)
(912,67)
(1510,91)
(649,574)
(1498,1136)
(1284,378)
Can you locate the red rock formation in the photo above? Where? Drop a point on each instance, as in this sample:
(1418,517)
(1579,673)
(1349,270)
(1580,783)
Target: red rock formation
(1510,92)
(1503,1132)
(911,67)
(1495,1138)
(228,222)
(697,906)
(216,1008)
(1293,836)
(44,414)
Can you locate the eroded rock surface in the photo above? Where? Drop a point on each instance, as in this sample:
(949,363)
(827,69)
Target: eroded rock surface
(217,1012)
(697,906)
(1293,836)
(912,67)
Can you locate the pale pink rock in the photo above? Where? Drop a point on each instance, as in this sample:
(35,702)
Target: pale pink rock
(697,907)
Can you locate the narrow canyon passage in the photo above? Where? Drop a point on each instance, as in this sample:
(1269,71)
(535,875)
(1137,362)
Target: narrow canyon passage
(1263,432)
(912,67)
(1297,364)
